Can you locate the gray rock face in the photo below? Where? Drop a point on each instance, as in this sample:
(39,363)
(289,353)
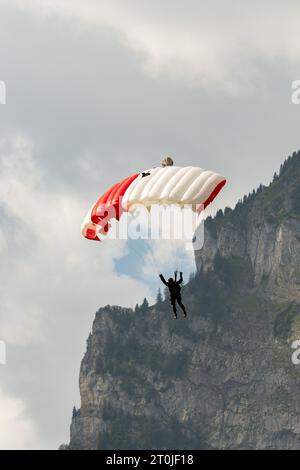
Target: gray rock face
(223,378)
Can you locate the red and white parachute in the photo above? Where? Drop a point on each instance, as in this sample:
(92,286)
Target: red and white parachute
(162,185)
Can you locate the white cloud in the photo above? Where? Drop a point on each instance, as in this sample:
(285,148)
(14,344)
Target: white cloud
(52,283)
(216,45)
(17,431)
(43,252)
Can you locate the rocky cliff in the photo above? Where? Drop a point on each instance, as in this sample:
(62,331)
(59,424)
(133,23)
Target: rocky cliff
(223,378)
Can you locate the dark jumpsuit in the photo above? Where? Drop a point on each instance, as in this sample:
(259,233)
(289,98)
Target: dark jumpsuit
(175,293)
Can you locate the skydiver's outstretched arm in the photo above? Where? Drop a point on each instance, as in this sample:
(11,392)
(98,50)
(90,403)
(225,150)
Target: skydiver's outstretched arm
(175,275)
(181,278)
(163,280)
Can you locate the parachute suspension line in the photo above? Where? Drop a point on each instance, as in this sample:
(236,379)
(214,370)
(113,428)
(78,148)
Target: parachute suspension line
(155,265)
(177,258)
(177,267)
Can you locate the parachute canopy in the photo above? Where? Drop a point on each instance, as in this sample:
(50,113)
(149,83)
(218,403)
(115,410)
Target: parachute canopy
(163,185)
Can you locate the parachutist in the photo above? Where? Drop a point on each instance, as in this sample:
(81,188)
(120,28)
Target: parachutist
(175,292)
(145,174)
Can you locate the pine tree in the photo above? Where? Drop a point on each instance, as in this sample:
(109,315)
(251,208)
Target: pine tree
(166,293)
(159,298)
(144,305)
(281,168)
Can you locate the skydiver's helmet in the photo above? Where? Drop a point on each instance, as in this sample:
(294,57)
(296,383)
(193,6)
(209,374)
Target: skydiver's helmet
(170,280)
(167,161)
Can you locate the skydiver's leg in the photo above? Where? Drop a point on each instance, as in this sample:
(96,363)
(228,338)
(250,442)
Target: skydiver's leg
(179,301)
(173,303)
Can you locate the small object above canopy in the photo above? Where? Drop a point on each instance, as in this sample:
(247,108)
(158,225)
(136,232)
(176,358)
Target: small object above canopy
(167,161)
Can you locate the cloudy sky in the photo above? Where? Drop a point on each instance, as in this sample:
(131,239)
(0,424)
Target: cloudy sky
(97,90)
